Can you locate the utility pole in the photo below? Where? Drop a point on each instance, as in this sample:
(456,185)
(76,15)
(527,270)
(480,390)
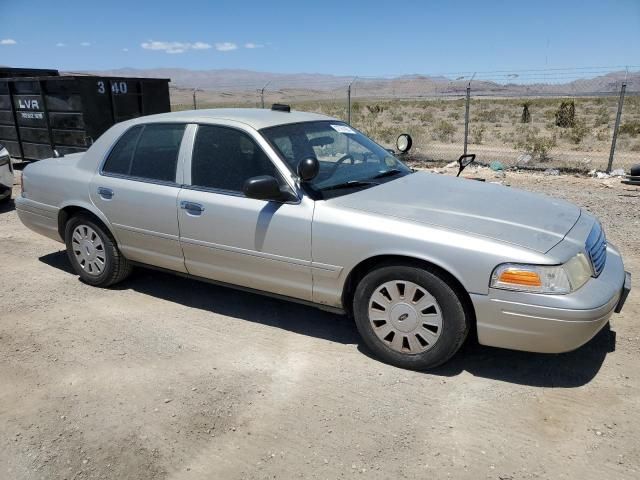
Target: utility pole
(262,92)
(195,105)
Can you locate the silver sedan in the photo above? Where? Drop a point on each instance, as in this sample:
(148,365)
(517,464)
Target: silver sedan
(307,208)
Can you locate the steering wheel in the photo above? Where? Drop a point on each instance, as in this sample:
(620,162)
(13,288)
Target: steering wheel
(339,162)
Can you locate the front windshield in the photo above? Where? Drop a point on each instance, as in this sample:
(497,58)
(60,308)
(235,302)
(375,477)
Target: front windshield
(346,156)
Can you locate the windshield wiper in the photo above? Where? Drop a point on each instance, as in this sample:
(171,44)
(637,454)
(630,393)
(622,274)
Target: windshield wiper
(349,184)
(388,173)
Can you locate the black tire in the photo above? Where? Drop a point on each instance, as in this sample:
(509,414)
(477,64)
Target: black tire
(116,266)
(455,324)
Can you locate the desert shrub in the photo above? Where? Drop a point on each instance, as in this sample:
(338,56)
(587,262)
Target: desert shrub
(426,117)
(375,109)
(356,107)
(530,141)
(490,116)
(526,116)
(477,133)
(566,115)
(397,117)
(630,128)
(386,134)
(444,131)
(454,115)
(602,116)
(602,134)
(578,131)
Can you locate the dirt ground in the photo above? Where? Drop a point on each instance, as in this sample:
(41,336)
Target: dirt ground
(169,378)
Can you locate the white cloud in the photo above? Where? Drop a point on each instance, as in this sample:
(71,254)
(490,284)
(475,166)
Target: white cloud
(253,45)
(8,41)
(125,49)
(174,47)
(85,44)
(169,47)
(226,46)
(60,44)
(200,46)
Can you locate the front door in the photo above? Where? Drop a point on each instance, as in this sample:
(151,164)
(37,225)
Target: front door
(230,238)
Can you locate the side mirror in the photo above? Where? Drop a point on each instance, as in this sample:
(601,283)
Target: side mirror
(308,169)
(464,161)
(263,187)
(404,143)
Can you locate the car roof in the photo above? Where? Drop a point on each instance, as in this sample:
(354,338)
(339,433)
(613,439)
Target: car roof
(256,118)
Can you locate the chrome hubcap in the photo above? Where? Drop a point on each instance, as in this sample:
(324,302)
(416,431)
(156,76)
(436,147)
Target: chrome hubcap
(88,250)
(405,316)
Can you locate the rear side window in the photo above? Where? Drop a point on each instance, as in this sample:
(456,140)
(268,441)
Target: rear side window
(119,160)
(224,158)
(149,152)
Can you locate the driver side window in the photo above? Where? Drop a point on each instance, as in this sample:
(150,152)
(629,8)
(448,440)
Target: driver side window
(224,158)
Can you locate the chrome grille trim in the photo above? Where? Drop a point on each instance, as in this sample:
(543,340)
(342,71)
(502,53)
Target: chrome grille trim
(596,247)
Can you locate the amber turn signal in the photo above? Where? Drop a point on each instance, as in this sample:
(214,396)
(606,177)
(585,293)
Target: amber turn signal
(520,277)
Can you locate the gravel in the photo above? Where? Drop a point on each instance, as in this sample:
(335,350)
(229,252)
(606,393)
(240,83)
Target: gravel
(86,373)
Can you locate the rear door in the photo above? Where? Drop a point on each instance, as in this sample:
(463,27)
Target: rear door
(230,238)
(137,190)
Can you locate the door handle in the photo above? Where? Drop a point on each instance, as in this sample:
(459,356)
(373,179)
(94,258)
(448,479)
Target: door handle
(192,208)
(105,193)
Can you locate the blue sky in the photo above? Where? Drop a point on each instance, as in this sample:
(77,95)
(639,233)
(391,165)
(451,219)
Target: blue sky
(323,36)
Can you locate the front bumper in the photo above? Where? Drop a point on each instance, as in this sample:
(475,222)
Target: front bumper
(552,323)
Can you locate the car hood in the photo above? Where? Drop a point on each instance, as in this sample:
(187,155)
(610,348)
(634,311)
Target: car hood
(502,213)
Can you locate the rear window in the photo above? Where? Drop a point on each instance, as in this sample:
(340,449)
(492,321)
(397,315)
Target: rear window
(147,152)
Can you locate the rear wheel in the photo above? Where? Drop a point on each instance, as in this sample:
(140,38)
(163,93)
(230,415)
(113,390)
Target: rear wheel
(409,317)
(93,252)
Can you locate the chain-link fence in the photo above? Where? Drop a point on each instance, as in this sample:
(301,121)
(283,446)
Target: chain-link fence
(541,125)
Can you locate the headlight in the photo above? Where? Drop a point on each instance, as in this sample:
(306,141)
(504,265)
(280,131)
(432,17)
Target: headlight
(557,279)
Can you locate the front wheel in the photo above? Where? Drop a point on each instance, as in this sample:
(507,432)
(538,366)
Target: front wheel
(93,252)
(409,317)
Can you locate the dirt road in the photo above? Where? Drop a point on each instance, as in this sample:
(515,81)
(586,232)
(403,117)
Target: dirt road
(164,377)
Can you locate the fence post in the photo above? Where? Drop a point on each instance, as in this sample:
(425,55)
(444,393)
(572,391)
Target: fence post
(262,93)
(466,118)
(195,105)
(349,104)
(349,100)
(616,127)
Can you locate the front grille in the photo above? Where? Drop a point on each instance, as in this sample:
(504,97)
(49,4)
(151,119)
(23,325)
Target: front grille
(596,246)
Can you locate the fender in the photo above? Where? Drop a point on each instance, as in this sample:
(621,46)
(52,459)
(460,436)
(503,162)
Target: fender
(91,208)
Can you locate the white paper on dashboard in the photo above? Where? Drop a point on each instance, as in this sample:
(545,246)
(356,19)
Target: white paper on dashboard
(343,129)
